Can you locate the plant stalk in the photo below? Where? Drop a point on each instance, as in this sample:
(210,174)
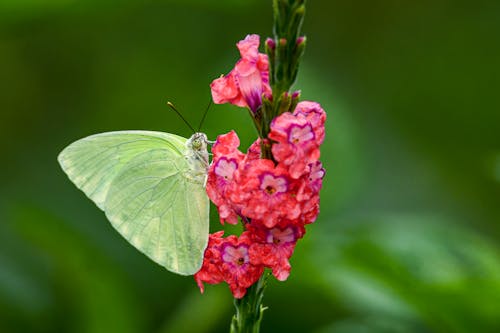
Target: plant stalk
(249,309)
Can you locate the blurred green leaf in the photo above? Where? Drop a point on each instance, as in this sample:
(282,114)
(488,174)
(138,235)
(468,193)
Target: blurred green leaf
(199,313)
(416,268)
(96,294)
(374,324)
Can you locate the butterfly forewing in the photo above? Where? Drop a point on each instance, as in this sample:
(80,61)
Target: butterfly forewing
(142,181)
(92,162)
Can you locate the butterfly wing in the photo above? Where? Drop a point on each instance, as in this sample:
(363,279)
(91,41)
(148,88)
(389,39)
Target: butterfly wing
(141,180)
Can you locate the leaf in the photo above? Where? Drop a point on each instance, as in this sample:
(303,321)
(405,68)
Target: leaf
(415,268)
(91,293)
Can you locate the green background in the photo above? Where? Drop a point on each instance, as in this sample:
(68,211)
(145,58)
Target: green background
(408,235)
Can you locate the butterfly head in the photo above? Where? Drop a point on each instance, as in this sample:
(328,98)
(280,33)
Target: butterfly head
(198,141)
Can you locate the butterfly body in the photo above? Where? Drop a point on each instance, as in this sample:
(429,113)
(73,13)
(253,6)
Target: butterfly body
(151,187)
(196,155)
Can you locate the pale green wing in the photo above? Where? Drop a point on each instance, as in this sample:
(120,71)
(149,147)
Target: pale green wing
(141,179)
(92,162)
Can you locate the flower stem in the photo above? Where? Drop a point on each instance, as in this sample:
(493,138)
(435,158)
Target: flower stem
(249,309)
(284,52)
(289,46)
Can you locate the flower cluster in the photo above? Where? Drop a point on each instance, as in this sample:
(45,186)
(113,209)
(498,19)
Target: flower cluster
(275,198)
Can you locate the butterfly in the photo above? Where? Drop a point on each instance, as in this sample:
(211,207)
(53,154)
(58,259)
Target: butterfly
(151,186)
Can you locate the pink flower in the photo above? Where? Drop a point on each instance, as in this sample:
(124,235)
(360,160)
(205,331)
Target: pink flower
(316,116)
(273,247)
(249,79)
(227,145)
(236,267)
(309,209)
(295,143)
(311,182)
(210,269)
(263,192)
(254,150)
(228,259)
(220,175)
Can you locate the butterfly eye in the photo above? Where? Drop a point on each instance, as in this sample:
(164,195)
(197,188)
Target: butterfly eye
(196,144)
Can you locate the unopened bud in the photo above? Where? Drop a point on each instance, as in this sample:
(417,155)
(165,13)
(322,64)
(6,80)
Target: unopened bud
(295,100)
(270,44)
(267,96)
(284,103)
(301,10)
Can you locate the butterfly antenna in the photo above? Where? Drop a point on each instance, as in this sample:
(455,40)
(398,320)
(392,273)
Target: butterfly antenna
(180,115)
(205,114)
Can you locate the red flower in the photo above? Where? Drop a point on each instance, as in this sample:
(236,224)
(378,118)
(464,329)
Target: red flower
(227,259)
(273,247)
(249,79)
(236,267)
(210,269)
(295,143)
(254,150)
(315,115)
(309,210)
(311,182)
(221,172)
(263,192)
(227,145)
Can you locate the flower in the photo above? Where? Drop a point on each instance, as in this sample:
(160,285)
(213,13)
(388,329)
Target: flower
(220,175)
(210,269)
(218,181)
(227,259)
(262,191)
(236,267)
(311,182)
(273,247)
(295,142)
(249,79)
(307,193)
(227,145)
(316,116)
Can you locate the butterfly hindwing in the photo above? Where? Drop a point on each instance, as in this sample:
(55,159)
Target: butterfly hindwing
(160,211)
(141,180)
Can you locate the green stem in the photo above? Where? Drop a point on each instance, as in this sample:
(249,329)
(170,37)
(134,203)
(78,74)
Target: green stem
(284,54)
(288,17)
(249,309)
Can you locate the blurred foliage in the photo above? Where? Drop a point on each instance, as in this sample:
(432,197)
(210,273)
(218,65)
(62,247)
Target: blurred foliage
(408,238)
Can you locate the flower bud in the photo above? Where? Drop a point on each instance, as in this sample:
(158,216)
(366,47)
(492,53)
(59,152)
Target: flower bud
(270,44)
(285,102)
(295,100)
(300,40)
